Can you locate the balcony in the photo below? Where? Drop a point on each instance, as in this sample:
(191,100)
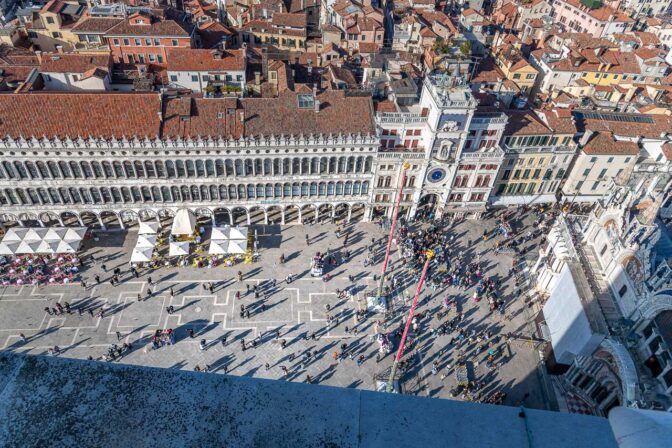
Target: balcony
(400,148)
(497,154)
(489,120)
(400,118)
(540,149)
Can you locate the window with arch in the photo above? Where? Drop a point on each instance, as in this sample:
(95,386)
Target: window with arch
(229,167)
(45,197)
(305,188)
(33,195)
(278,191)
(95,195)
(10,170)
(139,170)
(160,169)
(21,170)
(359,165)
(126,194)
(249,168)
(165,194)
(313,189)
(74,193)
(314,165)
(305,165)
(339,188)
(251,191)
(170,169)
(388,181)
(200,168)
(296,190)
(239,169)
(137,197)
(268,167)
(242,194)
(175,193)
(22,196)
(107,169)
(286,190)
(323,165)
(232,192)
(332,165)
(368,164)
(204,193)
(42,168)
(195,193)
(32,170)
(365,187)
(14,201)
(286,166)
(223,192)
(260,190)
(323,189)
(86,196)
(269,191)
(179,168)
(105,194)
(184,191)
(149,169)
(356,187)
(258,167)
(146,194)
(214,193)
(330,189)
(348,188)
(209,168)
(53,169)
(116,196)
(156,194)
(191,171)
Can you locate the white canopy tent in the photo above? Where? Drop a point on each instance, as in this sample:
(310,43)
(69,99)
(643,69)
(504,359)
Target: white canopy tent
(74,234)
(178,248)
(219,233)
(27,247)
(35,234)
(141,254)
(65,247)
(15,234)
(55,234)
(9,247)
(184,222)
(237,233)
(217,247)
(148,227)
(47,247)
(148,240)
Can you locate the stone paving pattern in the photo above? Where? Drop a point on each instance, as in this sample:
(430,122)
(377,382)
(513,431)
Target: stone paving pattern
(295,310)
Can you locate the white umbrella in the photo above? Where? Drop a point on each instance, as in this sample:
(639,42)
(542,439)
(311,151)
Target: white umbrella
(35,234)
(238,233)
(141,254)
(27,247)
(15,234)
(47,247)
(8,247)
(74,234)
(65,247)
(146,241)
(148,227)
(55,234)
(235,246)
(217,247)
(178,248)
(220,233)
(184,222)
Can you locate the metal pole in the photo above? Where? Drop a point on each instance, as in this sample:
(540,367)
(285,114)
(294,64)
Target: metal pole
(400,351)
(395,214)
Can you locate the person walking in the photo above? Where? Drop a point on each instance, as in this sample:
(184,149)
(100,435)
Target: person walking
(119,337)
(83,284)
(191,333)
(97,278)
(23,337)
(172,293)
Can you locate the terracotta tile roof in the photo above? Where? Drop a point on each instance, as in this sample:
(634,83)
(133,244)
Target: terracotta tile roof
(95,72)
(667,150)
(385,106)
(560,120)
(588,61)
(264,26)
(188,59)
(73,62)
(212,33)
(368,47)
(17,56)
(488,72)
(469,11)
(154,27)
(54,6)
(302,5)
(73,114)
(524,122)
(289,20)
(604,143)
(659,124)
(95,25)
(603,13)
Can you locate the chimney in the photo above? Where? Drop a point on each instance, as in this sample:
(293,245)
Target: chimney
(257,78)
(317,106)
(59,49)
(38,53)
(586,137)
(264,63)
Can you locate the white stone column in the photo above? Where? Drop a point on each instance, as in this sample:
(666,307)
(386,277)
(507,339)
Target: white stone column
(247,213)
(282,212)
(349,213)
(81,221)
(60,222)
(121,222)
(100,221)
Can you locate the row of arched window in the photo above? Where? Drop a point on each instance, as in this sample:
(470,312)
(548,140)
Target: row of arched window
(105,195)
(187,168)
(481,181)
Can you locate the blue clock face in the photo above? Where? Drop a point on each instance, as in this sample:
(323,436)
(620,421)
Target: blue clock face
(436,175)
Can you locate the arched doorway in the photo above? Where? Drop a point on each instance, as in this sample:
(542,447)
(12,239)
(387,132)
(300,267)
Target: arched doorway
(274,214)
(50,219)
(308,214)
(203,216)
(165,215)
(357,212)
(30,220)
(239,216)
(341,213)
(257,215)
(379,211)
(110,219)
(427,206)
(222,216)
(90,220)
(9,220)
(324,213)
(292,214)
(69,219)
(130,218)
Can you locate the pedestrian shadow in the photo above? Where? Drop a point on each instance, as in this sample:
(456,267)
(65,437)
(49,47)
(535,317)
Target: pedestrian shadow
(354,384)
(179,365)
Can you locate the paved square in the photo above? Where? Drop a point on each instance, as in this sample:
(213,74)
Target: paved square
(306,317)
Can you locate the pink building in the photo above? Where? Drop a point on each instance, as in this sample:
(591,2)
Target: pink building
(600,22)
